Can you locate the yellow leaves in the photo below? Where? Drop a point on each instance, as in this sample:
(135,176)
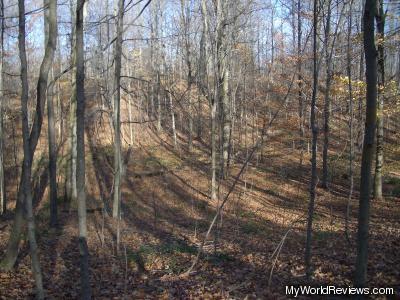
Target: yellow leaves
(340,87)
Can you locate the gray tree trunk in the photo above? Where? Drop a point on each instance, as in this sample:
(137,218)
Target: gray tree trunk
(117,112)
(222,81)
(3,201)
(16,230)
(51,21)
(27,161)
(72,117)
(380,22)
(185,19)
(351,134)
(368,145)
(314,129)
(327,104)
(80,162)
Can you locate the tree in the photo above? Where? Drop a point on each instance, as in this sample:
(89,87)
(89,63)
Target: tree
(368,144)
(80,150)
(185,20)
(117,112)
(299,80)
(26,188)
(380,23)
(314,129)
(72,191)
(3,201)
(51,21)
(41,88)
(351,123)
(222,86)
(327,104)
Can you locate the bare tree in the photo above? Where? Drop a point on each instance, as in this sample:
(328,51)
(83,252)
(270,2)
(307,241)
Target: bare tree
(314,129)
(3,201)
(222,80)
(117,112)
(26,188)
(327,104)
(380,22)
(80,150)
(368,146)
(41,88)
(351,122)
(51,21)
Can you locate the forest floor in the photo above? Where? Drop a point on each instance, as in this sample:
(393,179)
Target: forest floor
(166,211)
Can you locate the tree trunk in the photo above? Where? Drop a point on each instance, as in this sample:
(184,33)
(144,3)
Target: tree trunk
(27,161)
(300,81)
(16,230)
(314,145)
(117,113)
(222,82)
(380,22)
(3,201)
(327,104)
(360,279)
(72,120)
(51,21)
(351,112)
(80,150)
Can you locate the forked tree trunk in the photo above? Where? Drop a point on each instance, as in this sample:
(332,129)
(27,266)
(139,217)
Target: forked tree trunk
(26,188)
(16,230)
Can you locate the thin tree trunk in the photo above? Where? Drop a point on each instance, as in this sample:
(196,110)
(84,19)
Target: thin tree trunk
(327,104)
(80,150)
(3,201)
(300,81)
(117,113)
(16,230)
(222,82)
(173,120)
(380,22)
(360,279)
(52,22)
(72,121)
(26,188)
(314,146)
(351,112)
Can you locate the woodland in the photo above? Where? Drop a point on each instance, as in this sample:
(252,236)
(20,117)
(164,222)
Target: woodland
(199,149)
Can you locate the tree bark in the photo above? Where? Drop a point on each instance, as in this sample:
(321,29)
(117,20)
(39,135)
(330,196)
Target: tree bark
(3,200)
(117,113)
(72,117)
(314,145)
(16,230)
(380,22)
(360,279)
(327,104)
(51,21)
(80,151)
(351,134)
(300,81)
(222,82)
(26,188)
